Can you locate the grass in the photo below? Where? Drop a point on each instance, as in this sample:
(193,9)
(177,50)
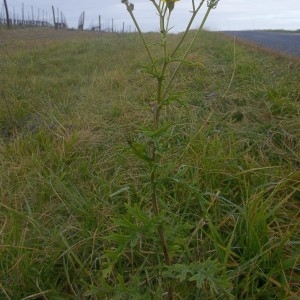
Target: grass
(74,218)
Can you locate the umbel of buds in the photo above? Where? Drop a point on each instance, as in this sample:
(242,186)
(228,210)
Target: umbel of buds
(212,3)
(130,6)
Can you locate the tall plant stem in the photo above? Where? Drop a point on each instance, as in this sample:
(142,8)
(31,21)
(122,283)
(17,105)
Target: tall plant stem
(156,213)
(159,73)
(156,121)
(155,206)
(153,149)
(156,109)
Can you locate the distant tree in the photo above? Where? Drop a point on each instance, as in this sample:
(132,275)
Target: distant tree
(7,14)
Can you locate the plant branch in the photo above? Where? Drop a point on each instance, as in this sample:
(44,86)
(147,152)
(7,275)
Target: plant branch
(186,52)
(130,9)
(194,12)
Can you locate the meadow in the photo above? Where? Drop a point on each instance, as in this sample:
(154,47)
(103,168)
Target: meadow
(75,215)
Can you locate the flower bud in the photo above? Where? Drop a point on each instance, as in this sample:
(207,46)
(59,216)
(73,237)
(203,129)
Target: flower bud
(212,3)
(131,7)
(170,4)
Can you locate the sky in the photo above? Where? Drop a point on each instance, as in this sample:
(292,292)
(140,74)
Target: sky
(229,14)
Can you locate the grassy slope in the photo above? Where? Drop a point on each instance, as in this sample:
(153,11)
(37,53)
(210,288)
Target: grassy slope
(229,179)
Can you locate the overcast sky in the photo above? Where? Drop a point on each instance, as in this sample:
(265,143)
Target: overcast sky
(229,15)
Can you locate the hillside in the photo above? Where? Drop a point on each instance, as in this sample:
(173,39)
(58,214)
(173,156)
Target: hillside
(75,217)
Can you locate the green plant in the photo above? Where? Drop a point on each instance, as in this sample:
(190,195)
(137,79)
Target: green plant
(152,150)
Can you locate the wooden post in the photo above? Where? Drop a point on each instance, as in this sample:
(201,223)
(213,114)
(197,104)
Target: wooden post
(23,17)
(7,14)
(99,23)
(83,20)
(32,15)
(54,22)
(112,25)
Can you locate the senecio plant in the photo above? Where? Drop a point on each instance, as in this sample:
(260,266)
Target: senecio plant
(158,68)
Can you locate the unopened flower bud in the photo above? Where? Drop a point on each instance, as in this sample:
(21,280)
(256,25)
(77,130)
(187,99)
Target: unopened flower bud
(212,3)
(170,4)
(131,7)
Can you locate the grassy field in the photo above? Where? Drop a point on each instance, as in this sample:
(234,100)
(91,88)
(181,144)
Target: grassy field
(75,214)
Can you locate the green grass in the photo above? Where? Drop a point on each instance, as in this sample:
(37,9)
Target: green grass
(75,219)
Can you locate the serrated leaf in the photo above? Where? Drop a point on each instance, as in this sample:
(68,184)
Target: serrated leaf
(179,271)
(184,271)
(156,133)
(150,69)
(199,278)
(140,150)
(93,290)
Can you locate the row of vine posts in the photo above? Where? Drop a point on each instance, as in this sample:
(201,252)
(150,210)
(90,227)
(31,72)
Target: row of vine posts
(58,21)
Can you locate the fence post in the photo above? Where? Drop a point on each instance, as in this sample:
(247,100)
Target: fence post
(7,14)
(54,22)
(23,17)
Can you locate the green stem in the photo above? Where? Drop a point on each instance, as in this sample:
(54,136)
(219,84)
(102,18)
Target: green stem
(156,117)
(155,208)
(141,34)
(186,52)
(156,213)
(160,79)
(162,9)
(195,12)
